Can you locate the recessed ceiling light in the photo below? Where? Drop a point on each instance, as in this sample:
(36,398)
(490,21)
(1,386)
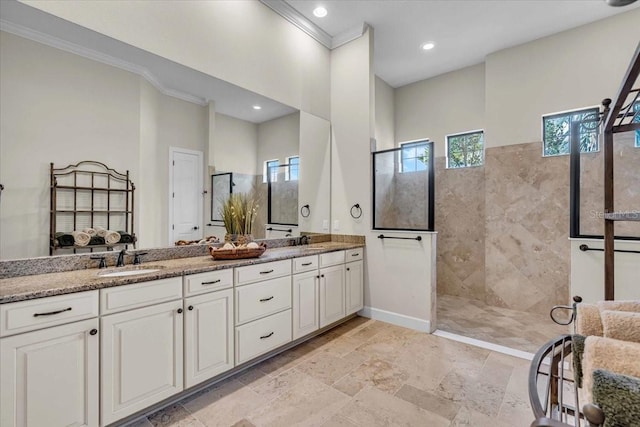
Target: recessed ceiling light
(427,46)
(257,107)
(320,12)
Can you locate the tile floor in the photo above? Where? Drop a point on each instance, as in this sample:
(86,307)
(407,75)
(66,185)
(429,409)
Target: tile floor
(510,328)
(365,373)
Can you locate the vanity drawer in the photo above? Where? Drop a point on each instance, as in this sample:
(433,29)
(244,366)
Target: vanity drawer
(354,254)
(269,270)
(262,298)
(42,313)
(331,258)
(127,297)
(195,284)
(261,336)
(307,263)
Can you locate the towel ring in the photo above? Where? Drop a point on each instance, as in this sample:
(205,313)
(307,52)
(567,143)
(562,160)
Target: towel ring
(358,210)
(305,211)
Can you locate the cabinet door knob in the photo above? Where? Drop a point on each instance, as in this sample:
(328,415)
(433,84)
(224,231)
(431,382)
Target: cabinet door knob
(93,332)
(348,269)
(179,311)
(190,307)
(322,275)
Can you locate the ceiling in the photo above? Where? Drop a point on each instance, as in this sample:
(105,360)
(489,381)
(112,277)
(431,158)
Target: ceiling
(465,31)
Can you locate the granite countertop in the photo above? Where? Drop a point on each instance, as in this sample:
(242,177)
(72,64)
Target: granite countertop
(45,285)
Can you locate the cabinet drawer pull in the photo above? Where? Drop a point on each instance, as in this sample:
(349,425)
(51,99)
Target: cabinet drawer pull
(266,336)
(211,283)
(356,254)
(266,299)
(52,312)
(305,264)
(93,332)
(266,272)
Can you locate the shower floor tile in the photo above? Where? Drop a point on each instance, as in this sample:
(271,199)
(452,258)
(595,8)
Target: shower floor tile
(497,325)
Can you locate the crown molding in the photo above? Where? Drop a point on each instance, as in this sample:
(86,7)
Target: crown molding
(349,35)
(94,55)
(285,10)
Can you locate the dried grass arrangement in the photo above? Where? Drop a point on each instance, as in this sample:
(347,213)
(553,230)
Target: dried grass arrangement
(238,213)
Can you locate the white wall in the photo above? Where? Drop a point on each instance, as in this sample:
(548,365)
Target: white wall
(399,275)
(242,42)
(62,108)
(572,69)
(385,115)
(278,139)
(436,107)
(587,271)
(235,145)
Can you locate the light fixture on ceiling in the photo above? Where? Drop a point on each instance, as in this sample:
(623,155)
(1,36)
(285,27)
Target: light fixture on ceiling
(320,12)
(257,107)
(427,45)
(618,3)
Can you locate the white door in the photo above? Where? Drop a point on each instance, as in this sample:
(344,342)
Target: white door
(332,307)
(208,336)
(141,359)
(354,286)
(305,304)
(185,197)
(50,377)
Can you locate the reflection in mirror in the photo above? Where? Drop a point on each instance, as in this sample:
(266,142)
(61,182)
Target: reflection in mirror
(221,188)
(283,194)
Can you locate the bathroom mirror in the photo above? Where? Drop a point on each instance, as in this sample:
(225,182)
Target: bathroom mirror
(63,107)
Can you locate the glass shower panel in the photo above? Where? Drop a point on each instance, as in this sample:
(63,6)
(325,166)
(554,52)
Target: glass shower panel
(283,196)
(403,188)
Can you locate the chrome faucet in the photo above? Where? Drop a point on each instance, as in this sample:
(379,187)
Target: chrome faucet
(120,261)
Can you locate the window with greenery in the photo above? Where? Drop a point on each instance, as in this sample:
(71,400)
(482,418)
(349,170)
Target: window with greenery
(292,172)
(270,170)
(465,150)
(414,156)
(557,132)
(636,110)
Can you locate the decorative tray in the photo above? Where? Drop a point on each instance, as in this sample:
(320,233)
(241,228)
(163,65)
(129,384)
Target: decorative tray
(238,253)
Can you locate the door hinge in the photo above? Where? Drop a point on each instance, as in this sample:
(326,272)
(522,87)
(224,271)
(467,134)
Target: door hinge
(173,195)
(174,162)
(173,227)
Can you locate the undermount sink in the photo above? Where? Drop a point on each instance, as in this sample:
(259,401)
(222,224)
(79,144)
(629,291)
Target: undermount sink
(128,272)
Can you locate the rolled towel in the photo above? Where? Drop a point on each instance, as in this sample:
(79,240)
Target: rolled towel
(125,237)
(588,320)
(111,237)
(80,238)
(620,357)
(96,240)
(628,305)
(618,396)
(621,325)
(90,231)
(100,231)
(577,350)
(64,239)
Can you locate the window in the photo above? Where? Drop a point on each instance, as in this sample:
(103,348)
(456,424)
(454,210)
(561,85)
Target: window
(414,156)
(293,171)
(270,170)
(465,150)
(557,131)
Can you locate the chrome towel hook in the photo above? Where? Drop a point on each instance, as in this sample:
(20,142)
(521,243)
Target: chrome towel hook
(305,211)
(358,211)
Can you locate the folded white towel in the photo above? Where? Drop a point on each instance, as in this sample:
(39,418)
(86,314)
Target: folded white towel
(90,231)
(81,238)
(111,237)
(100,231)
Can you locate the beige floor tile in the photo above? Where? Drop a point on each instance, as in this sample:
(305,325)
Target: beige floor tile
(252,377)
(516,410)
(287,359)
(372,407)
(376,373)
(243,423)
(224,405)
(276,386)
(469,418)
(339,421)
(174,416)
(429,401)
(329,368)
(308,403)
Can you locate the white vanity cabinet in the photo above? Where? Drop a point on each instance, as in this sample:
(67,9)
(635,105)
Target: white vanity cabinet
(50,376)
(332,287)
(208,336)
(305,305)
(141,349)
(354,281)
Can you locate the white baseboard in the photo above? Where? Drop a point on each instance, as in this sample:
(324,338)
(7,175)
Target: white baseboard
(486,345)
(396,319)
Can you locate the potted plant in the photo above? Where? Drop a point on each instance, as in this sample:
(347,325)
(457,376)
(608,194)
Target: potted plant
(238,213)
